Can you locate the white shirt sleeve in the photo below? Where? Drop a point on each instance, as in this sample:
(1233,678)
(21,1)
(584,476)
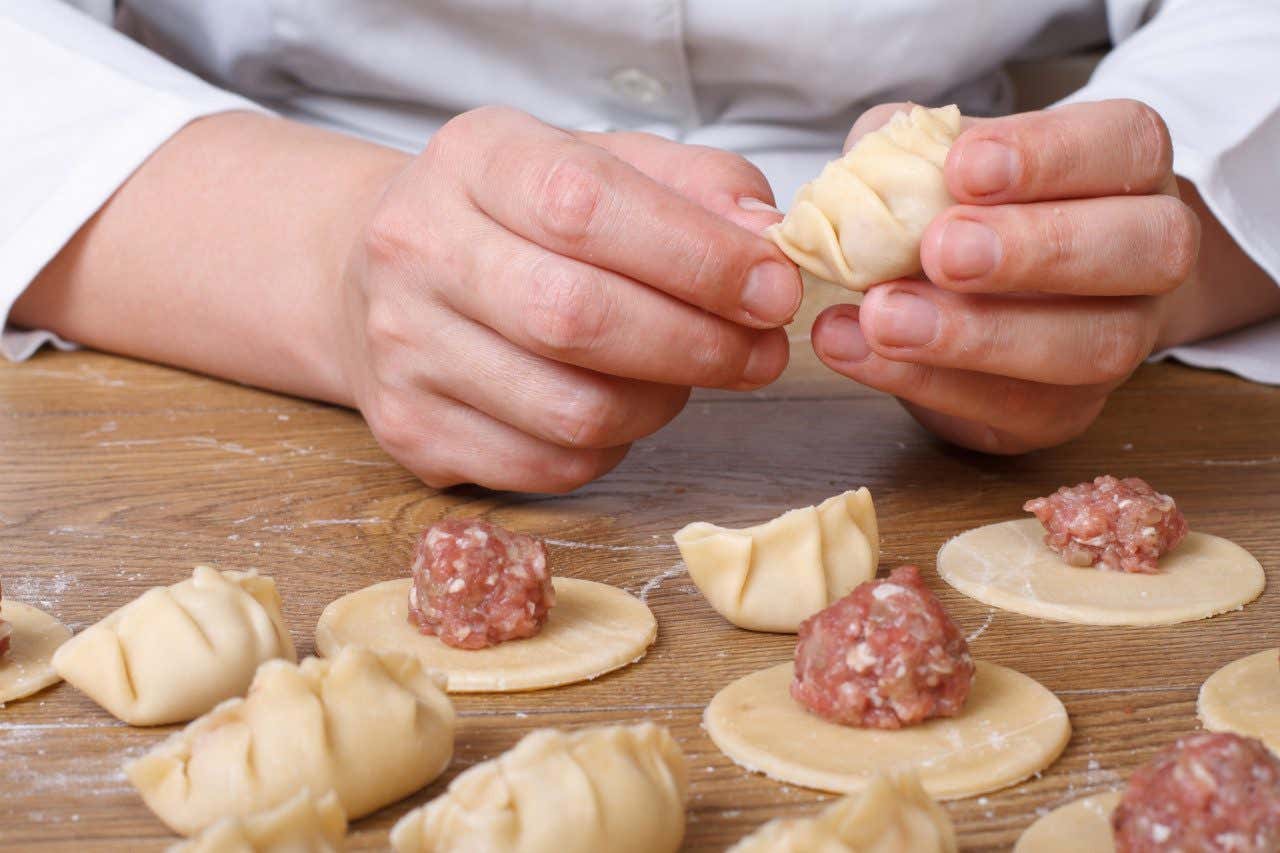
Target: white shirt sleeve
(1211,70)
(83,106)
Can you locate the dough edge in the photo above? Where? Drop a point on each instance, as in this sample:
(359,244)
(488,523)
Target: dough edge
(1078,825)
(27,667)
(1250,575)
(508,673)
(757,759)
(1218,702)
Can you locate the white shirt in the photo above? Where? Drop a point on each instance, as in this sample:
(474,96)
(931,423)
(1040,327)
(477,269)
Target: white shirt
(86,95)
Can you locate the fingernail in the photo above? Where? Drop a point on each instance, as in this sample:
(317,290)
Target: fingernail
(842,340)
(906,320)
(755,205)
(969,249)
(772,292)
(762,363)
(988,167)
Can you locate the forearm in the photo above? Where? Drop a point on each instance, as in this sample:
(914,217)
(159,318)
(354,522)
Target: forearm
(1228,290)
(223,253)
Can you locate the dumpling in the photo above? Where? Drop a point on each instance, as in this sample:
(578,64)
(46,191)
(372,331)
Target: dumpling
(304,824)
(860,221)
(176,651)
(773,576)
(611,789)
(892,815)
(372,726)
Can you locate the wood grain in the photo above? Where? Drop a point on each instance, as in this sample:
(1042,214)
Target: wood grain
(120,476)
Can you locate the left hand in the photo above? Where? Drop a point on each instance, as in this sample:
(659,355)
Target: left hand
(1048,280)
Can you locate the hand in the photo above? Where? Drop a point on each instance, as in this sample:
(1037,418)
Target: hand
(525,302)
(1048,284)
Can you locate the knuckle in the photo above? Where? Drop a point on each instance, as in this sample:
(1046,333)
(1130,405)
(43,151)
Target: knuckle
(563,472)
(1177,240)
(570,195)
(389,239)
(393,424)
(590,419)
(386,332)
(1151,137)
(568,311)
(1119,350)
(719,359)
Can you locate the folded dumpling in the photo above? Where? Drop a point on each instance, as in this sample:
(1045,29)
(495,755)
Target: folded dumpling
(611,789)
(773,576)
(860,221)
(176,651)
(303,824)
(892,815)
(372,726)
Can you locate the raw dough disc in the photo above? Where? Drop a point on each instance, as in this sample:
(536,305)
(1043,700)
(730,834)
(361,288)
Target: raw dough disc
(1007,565)
(1244,697)
(1082,825)
(36,636)
(593,628)
(1010,728)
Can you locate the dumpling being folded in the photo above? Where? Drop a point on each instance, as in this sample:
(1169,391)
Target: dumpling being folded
(372,726)
(609,789)
(176,651)
(304,824)
(860,221)
(773,576)
(892,815)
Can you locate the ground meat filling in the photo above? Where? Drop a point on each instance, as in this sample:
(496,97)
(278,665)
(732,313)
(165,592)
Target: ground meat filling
(1125,525)
(1209,793)
(5,629)
(476,584)
(884,656)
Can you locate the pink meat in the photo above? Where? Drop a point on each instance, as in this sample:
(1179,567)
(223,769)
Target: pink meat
(884,656)
(1123,524)
(476,584)
(6,630)
(1208,793)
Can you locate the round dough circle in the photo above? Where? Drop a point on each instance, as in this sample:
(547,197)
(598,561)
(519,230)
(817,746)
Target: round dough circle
(36,636)
(1082,825)
(1007,565)
(1010,728)
(593,628)
(1244,697)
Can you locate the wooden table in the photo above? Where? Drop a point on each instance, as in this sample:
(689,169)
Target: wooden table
(119,476)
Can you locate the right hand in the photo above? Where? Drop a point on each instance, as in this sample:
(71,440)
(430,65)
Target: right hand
(525,302)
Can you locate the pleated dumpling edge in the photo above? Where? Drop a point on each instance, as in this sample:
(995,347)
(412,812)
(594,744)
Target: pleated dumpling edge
(773,576)
(861,220)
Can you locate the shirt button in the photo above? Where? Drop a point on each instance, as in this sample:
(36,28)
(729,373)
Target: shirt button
(635,85)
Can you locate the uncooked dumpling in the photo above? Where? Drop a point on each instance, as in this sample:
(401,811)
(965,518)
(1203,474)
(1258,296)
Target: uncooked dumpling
(860,222)
(374,727)
(612,789)
(176,651)
(304,824)
(34,636)
(773,576)
(893,815)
